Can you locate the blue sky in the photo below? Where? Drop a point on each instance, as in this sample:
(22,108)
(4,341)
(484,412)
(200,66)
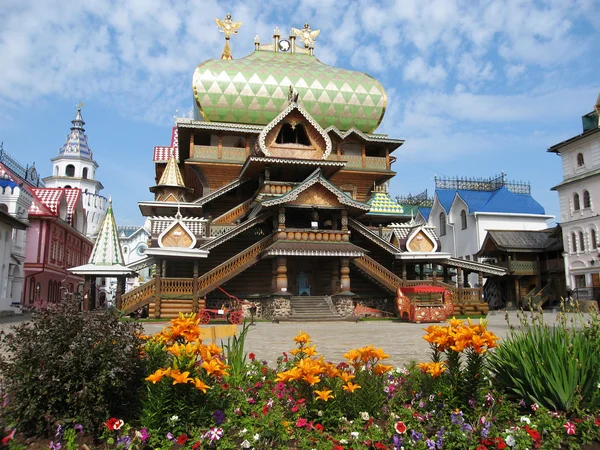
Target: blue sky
(474,87)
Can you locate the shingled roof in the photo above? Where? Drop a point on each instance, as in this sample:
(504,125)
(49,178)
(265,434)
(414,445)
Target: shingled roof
(519,240)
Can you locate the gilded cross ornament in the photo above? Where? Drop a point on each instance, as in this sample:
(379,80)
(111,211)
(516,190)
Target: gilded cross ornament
(79,106)
(228,26)
(306,35)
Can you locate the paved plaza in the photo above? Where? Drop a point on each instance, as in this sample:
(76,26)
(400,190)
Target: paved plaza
(402,341)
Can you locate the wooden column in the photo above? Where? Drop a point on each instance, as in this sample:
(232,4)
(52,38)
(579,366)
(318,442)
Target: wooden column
(460,281)
(339,150)
(282,281)
(363,152)
(195,288)
(445,272)
(86,293)
(480,283)
(192,153)
(335,276)
(345,274)
(433,272)
(387,159)
(119,293)
(220,146)
(403,274)
(247,145)
(274,275)
(344,220)
(157,278)
(281,218)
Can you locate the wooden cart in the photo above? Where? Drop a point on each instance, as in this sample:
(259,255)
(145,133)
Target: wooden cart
(424,303)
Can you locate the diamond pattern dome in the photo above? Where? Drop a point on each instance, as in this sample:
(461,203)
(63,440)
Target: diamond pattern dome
(254,90)
(76,144)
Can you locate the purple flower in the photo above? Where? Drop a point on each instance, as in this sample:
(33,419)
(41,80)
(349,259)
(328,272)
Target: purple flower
(398,441)
(472,402)
(430,444)
(78,427)
(457,418)
(468,428)
(489,399)
(124,441)
(522,403)
(143,434)
(486,429)
(440,438)
(54,446)
(59,431)
(170,436)
(416,436)
(219,417)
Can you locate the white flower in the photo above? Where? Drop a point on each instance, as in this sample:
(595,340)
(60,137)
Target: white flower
(173,419)
(510,440)
(526,419)
(343,441)
(244,431)
(256,437)
(320,413)
(354,434)
(245,444)
(364,415)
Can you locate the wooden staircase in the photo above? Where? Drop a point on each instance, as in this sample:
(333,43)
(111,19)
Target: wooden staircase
(538,297)
(378,273)
(183,287)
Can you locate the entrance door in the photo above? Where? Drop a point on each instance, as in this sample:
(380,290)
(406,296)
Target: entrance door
(596,279)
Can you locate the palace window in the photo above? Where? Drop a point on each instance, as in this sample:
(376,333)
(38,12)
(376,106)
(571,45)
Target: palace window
(50,291)
(576,202)
(70,170)
(593,238)
(442,224)
(31,289)
(581,241)
(463,219)
(295,134)
(580,160)
(574,242)
(587,201)
(84,174)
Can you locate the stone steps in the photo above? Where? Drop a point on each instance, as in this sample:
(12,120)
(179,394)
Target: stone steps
(312,308)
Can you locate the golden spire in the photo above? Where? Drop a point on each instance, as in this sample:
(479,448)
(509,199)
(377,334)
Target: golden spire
(227,27)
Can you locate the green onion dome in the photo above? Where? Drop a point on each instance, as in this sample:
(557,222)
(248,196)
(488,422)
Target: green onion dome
(254,90)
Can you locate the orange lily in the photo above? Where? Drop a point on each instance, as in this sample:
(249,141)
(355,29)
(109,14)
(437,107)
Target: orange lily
(324,395)
(200,385)
(350,387)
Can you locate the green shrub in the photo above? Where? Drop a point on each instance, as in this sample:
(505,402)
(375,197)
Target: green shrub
(556,366)
(66,366)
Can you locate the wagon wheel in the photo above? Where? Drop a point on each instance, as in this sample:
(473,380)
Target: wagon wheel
(236,317)
(204,317)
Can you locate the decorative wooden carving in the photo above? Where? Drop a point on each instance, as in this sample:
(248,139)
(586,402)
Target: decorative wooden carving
(421,243)
(178,236)
(317,195)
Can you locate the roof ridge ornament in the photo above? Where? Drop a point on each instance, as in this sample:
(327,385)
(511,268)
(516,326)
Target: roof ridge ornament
(228,27)
(307,36)
(293,95)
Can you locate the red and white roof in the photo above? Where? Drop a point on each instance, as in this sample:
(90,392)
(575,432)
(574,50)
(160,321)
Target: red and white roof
(46,201)
(162,154)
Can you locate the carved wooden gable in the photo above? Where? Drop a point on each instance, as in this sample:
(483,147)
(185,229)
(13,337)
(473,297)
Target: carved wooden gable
(420,242)
(178,235)
(317,195)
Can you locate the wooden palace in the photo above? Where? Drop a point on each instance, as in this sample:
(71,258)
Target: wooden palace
(276,193)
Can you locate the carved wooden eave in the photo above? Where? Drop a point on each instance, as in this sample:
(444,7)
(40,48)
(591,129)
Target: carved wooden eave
(177,235)
(402,234)
(331,249)
(256,164)
(218,126)
(196,225)
(474,266)
(316,178)
(262,137)
(222,190)
(392,144)
(422,234)
(154,208)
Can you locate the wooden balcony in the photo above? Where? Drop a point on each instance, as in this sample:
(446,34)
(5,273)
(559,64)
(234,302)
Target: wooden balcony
(375,163)
(520,267)
(308,234)
(215,153)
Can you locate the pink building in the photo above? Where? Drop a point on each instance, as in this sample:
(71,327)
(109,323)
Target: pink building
(55,242)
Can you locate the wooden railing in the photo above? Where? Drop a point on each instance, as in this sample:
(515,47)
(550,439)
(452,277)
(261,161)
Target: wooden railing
(218,230)
(357,162)
(384,276)
(471,295)
(373,237)
(176,286)
(234,213)
(520,267)
(138,297)
(226,153)
(230,268)
(231,231)
(308,234)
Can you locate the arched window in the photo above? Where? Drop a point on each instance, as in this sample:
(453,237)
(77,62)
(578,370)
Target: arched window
(576,202)
(580,161)
(70,170)
(442,224)
(84,174)
(581,242)
(31,289)
(593,238)
(574,242)
(292,135)
(50,291)
(587,201)
(463,219)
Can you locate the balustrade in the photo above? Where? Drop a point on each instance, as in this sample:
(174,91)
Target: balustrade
(308,234)
(234,213)
(133,298)
(211,152)
(176,285)
(356,162)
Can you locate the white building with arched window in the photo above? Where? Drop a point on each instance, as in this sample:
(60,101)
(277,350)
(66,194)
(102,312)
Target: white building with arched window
(579,197)
(74,167)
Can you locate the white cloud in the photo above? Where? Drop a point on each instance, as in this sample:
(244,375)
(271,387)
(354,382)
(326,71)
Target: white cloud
(419,71)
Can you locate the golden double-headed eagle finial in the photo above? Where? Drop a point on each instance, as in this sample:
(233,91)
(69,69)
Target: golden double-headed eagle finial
(228,26)
(306,35)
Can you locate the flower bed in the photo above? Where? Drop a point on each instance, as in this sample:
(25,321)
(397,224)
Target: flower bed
(204,396)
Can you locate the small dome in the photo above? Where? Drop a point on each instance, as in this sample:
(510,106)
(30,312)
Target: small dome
(76,144)
(254,90)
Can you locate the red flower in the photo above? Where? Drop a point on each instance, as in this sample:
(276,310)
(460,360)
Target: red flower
(196,445)
(182,439)
(569,427)
(252,356)
(318,427)
(380,446)
(597,421)
(301,422)
(114,424)
(338,447)
(265,410)
(9,437)
(535,435)
(400,428)
(481,447)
